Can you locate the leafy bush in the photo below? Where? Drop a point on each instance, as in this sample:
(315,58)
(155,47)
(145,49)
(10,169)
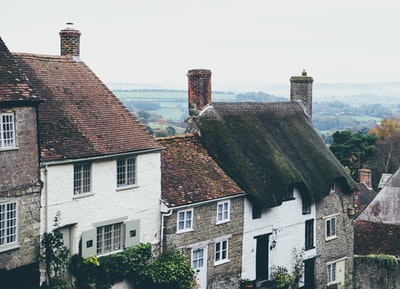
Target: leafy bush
(169,271)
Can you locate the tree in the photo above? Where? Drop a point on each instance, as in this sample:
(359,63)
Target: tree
(388,144)
(55,255)
(353,150)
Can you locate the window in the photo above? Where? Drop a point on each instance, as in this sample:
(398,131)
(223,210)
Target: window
(223,214)
(221,252)
(185,221)
(306,208)
(82,178)
(198,258)
(7,130)
(257,212)
(309,237)
(109,238)
(8,224)
(330,228)
(289,195)
(331,273)
(126,172)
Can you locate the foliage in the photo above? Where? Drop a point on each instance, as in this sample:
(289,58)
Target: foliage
(138,263)
(58,283)
(171,271)
(388,145)
(353,150)
(389,261)
(281,276)
(54,255)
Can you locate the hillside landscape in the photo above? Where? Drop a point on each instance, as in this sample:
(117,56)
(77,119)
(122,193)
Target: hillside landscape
(352,107)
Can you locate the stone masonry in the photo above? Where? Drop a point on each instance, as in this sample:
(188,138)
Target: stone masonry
(339,248)
(205,229)
(19,180)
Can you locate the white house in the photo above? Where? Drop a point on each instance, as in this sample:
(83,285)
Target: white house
(279,160)
(100,168)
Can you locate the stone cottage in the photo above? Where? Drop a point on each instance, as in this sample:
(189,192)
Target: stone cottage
(203,212)
(19,176)
(297,192)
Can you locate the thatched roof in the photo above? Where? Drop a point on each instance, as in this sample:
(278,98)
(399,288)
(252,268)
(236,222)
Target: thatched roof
(267,148)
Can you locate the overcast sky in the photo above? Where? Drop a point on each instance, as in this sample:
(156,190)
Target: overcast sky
(247,44)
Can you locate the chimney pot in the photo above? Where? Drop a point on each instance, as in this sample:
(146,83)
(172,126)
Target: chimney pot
(70,41)
(365,177)
(199,90)
(301,91)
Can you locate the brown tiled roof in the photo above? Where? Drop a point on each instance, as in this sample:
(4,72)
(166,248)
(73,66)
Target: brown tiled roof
(189,175)
(14,86)
(375,238)
(268,148)
(363,196)
(80,117)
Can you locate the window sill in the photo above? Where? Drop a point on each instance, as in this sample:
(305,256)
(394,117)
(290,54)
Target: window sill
(327,239)
(221,262)
(83,195)
(127,188)
(309,248)
(184,231)
(4,149)
(223,222)
(9,247)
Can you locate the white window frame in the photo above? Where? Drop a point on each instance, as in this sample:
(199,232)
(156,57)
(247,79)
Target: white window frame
(7,130)
(221,255)
(184,220)
(331,273)
(9,224)
(331,224)
(82,179)
(109,238)
(126,172)
(223,211)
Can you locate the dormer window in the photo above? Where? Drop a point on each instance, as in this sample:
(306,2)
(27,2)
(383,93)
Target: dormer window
(289,195)
(7,130)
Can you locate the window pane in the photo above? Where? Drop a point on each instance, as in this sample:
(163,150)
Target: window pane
(7,138)
(120,173)
(8,223)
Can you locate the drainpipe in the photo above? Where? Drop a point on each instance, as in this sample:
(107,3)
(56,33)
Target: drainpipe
(46,200)
(163,215)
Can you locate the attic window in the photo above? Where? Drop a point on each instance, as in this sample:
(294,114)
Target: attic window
(289,195)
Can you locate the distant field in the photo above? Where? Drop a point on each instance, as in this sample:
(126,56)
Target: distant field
(172,105)
(171,96)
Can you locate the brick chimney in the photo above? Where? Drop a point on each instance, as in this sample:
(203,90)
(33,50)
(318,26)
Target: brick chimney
(70,41)
(365,177)
(199,90)
(301,91)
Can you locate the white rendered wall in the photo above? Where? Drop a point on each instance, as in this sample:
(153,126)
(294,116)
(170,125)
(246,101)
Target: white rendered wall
(105,203)
(286,223)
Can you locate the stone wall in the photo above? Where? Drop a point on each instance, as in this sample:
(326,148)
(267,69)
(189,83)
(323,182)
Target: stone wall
(19,182)
(19,166)
(375,273)
(205,230)
(339,248)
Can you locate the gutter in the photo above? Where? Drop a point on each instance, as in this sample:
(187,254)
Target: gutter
(102,157)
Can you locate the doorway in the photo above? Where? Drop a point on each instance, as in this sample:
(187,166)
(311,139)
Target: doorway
(262,256)
(309,275)
(199,265)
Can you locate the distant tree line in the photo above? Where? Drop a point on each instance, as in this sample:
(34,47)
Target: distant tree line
(377,149)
